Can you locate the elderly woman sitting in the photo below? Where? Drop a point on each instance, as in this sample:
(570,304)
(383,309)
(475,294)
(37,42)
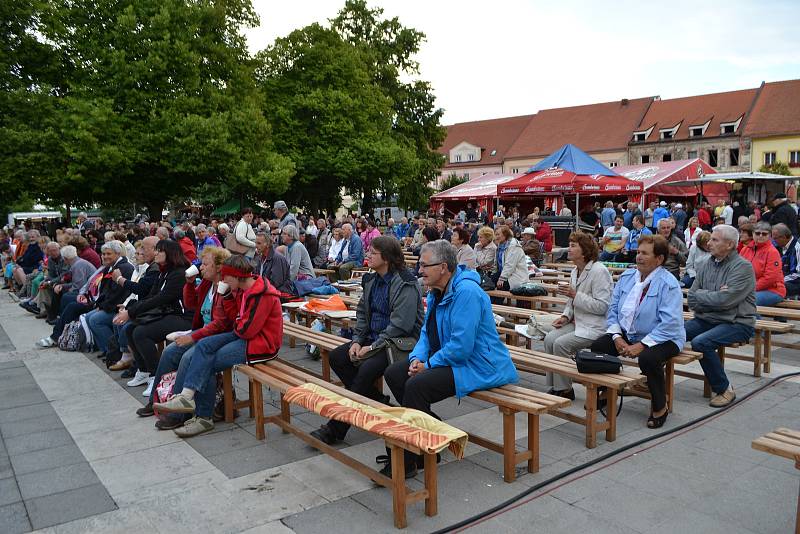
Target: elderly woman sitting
(645,320)
(485,251)
(300,266)
(699,252)
(465,255)
(584,317)
(767,265)
(512,263)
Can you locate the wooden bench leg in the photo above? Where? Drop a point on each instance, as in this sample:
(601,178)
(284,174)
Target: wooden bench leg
(669,376)
(257,400)
(509,445)
(533,442)
(431,484)
(611,410)
(286,412)
(767,351)
(292,319)
(591,416)
(758,347)
(399,486)
(251,386)
(326,365)
(706,388)
(227,394)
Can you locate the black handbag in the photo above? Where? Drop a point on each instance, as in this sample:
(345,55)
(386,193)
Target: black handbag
(596,362)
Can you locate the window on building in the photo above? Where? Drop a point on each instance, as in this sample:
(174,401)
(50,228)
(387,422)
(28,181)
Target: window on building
(612,164)
(639,136)
(769,158)
(691,154)
(515,171)
(728,129)
(696,131)
(494,152)
(471,157)
(734,157)
(713,158)
(794,158)
(645,158)
(458,157)
(666,134)
(666,157)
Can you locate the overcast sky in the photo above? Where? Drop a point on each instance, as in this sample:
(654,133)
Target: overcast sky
(499,58)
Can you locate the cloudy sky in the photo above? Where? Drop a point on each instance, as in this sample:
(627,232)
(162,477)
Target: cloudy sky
(499,58)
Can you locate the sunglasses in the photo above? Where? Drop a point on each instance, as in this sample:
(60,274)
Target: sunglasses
(760,233)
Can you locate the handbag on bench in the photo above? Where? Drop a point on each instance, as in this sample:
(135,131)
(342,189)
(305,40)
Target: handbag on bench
(597,362)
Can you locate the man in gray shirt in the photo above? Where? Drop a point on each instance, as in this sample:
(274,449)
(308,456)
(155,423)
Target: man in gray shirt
(723,300)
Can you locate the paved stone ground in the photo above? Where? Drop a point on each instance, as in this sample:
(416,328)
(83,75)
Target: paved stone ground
(136,479)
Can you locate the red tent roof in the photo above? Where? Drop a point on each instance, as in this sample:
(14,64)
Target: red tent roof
(482,187)
(651,175)
(550,181)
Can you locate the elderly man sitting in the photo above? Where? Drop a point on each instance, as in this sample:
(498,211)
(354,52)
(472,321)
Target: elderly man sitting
(459,350)
(267,264)
(723,299)
(789,248)
(351,255)
(300,266)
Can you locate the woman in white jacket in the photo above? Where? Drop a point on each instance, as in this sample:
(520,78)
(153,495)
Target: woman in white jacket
(512,263)
(584,317)
(244,233)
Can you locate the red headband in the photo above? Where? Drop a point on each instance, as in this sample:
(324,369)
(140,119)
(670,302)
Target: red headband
(227,270)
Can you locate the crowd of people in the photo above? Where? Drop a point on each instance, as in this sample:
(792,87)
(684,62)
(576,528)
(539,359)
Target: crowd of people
(211,292)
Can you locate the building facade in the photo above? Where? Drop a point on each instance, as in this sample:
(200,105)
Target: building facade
(775,126)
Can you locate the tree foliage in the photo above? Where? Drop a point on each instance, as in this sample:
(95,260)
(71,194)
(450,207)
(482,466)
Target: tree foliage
(778,167)
(451,181)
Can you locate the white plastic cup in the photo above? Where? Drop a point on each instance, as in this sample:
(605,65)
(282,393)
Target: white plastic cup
(222,288)
(192,271)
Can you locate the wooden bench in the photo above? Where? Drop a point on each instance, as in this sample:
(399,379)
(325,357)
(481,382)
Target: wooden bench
(785,443)
(535,361)
(325,272)
(509,399)
(281,377)
(789,304)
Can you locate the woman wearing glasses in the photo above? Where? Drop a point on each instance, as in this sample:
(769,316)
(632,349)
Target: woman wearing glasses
(766,260)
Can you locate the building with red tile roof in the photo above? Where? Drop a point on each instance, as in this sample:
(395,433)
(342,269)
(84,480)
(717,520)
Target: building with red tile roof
(774,126)
(473,149)
(708,127)
(602,130)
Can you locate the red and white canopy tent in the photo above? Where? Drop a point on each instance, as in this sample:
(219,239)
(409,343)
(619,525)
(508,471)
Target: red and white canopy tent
(662,179)
(480,190)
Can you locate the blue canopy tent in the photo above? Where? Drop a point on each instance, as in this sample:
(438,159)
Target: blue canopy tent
(573,159)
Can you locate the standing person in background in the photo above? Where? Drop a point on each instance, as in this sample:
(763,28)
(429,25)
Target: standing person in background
(283,215)
(679,216)
(661,212)
(608,215)
(783,213)
(324,239)
(704,216)
(244,233)
(691,233)
(544,234)
(727,213)
(648,215)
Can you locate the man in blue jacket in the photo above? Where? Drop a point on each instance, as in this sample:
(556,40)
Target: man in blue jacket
(661,212)
(459,350)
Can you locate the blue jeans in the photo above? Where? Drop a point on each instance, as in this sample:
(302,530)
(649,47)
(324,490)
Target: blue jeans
(608,256)
(707,337)
(211,355)
(120,331)
(767,298)
(102,329)
(173,358)
(687,280)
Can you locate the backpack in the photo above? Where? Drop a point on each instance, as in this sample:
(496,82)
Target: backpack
(73,339)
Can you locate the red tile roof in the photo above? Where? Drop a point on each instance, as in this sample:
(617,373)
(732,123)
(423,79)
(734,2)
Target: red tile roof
(696,111)
(777,110)
(592,128)
(490,135)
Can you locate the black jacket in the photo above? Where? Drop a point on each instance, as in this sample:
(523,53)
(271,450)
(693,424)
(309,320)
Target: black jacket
(145,283)
(111,293)
(166,294)
(785,214)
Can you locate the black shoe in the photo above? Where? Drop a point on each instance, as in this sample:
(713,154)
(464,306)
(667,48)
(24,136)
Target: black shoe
(102,356)
(325,435)
(657,422)
(146,410)
(385,399)
(130,372)
(51,322)
(170,423)
(411,470)
(564,393)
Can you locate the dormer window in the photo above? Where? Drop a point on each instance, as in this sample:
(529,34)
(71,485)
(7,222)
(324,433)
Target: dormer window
(668,133)
(699,130)
(494,152)
(471,157)
(458,157)
(465,152)
(728,128)
(641,136)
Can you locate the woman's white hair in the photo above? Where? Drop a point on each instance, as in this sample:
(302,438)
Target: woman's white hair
(113,245)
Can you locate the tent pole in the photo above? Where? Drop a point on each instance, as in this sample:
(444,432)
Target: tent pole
(577,210)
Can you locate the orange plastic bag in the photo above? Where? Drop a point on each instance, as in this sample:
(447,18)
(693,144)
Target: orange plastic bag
(334,303)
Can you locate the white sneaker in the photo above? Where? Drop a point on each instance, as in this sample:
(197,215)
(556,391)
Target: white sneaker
(149,389)
(46,343)
(141,377)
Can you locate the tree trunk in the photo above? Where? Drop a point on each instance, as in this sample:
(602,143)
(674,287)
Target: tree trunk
(154,209)
(367,203)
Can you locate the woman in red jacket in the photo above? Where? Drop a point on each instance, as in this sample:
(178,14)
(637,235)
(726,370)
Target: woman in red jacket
(766,260)
(210,318)
(256,337)
(544,234)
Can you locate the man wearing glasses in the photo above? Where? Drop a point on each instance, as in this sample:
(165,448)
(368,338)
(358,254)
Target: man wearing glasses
(459,350)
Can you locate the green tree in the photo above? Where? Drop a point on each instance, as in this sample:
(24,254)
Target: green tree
(390,49)
(157,97)
(778,167)
(451,181)
(328,117)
